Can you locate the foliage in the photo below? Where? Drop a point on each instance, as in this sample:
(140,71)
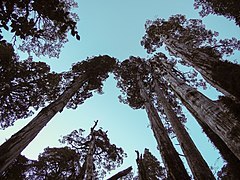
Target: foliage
(229,9)
(96,70)
(149,165)
(106,157)
(42,26)
(56,163)
(191,32)
(24,85)
(18,169)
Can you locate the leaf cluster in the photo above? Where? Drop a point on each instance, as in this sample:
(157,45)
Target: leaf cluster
(24,85)
(42,26)
(96,70)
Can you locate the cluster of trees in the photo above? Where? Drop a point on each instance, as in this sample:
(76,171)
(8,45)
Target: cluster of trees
(154,84)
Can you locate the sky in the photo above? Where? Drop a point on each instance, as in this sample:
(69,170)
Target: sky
(115,28)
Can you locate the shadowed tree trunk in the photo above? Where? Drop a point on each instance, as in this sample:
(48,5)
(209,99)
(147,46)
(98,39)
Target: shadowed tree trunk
(223,124)
(171,159)
(206,65)
(233,162)
(16,144)
(194,158)
(121,174)
(89,159)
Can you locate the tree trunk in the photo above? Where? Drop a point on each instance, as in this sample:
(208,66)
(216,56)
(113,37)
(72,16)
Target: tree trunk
(89,159)
(121,174)
(204,63)
(90,153)
(142,174)
(171,159)
(223,124)
(194,158)
(16,144)
(232,161)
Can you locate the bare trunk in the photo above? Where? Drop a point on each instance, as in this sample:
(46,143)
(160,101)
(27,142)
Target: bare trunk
(223,124)
(17,143)
(233,162)
(121,174)
(89,160)
(142,174)
(194,158)
(202,62)
(171,159)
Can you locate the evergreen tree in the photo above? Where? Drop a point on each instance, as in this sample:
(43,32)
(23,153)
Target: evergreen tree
(229,9)
(97,155)
(132,79)
(41,26)
(84,77)
(149,167)
(197,47)
(24,85)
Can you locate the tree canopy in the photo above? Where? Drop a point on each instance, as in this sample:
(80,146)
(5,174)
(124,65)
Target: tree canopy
(41,26)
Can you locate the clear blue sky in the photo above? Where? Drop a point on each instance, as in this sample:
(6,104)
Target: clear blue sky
(115,28)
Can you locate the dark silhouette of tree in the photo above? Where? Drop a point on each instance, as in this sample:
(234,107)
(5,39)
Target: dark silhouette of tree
(18,169)
(132,79)
(97,155)
(55,163)
(42,26)
(229,9)
(84,77)
(149,167)
(198,47)
(24,85)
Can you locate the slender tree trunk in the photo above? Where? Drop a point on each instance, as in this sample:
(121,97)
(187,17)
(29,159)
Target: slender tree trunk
(121,174)
(204,64)
(171,159)
(17,143)
(223,124)
(194,158)
(89,160)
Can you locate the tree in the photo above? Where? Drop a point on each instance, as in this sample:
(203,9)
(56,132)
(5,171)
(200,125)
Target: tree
(197,47)
(229,9)
(42,26)
(194,158)
(55,163)
(97,154)
(18,169)
(121,174)
(131,78)
(24,85)
(224,124)
(84,77)
(149,167)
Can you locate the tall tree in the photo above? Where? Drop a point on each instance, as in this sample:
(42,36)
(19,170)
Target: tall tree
(85,76)
(97,154)
(194,158)
(229,9)
(131,80)
(149,167)
(198,47)
(24,85)
(225,125)
(42,26)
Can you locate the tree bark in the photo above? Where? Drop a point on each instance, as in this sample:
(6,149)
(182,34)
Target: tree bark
(17,143)
(202,62)
(194,158)
(232,161)
(91,151)
(171,159)
(223,124)
(121,173)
